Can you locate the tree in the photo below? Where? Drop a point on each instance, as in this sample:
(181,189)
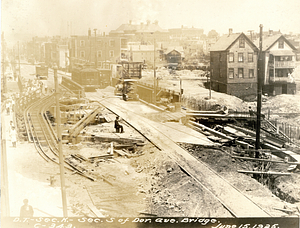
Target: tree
(212,34)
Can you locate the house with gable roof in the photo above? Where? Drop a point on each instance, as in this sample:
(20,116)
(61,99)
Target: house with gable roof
(233,64)
(174,55)
(279,62)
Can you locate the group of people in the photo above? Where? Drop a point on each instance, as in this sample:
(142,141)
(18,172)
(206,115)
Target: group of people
(13,134)
(9,105)
(33,89)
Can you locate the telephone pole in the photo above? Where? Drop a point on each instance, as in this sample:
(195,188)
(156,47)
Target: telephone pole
(96,59)
(59,138)
(260,75)
(154,88)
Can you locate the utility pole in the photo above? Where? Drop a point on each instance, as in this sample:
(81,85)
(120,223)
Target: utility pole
(96,59)
(180,95)
(59,138)
(154,88)
(260,75)
(89,34)
(5,209)
(19,59)
(209,88)
(3,62)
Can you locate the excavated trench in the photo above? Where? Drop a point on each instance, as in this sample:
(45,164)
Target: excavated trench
(285,188)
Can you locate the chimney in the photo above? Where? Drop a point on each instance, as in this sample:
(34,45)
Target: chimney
(230,31)
(130,21)
(270,32)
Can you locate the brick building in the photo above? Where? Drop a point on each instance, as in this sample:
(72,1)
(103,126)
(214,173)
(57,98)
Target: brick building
(98,49)
(233,62)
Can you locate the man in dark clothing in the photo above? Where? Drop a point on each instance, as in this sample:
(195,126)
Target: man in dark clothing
(26,210)
(118,126)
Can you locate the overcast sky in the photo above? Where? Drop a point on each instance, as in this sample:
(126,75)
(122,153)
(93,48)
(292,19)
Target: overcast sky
(26,18)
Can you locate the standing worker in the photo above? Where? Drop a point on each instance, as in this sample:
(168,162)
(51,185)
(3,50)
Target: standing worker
(13,136)
(118,126)
(26,210)
(7,106)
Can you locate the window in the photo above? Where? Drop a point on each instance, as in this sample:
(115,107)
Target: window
(241,73)
(242,42)
(99,43)
(82,54)
(53,55)
(281,44)
(220,57)
(271,73)
(250,57)
(99,54)
(82,43)
(111,53)
(241,57)
(231,57)
(231,73)
(251,73)
(112,43)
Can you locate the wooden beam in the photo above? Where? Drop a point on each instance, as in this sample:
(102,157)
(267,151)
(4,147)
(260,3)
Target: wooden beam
(95,211)
(261,172)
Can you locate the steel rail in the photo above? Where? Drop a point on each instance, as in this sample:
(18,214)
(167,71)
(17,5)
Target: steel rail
(36,112)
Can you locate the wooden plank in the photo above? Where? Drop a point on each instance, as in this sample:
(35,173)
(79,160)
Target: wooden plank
(120,152)
(267,173)
(96,211)
(266,160)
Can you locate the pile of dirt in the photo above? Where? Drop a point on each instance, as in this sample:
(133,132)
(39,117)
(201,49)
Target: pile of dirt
(195,95)
(283,108)
(166,185)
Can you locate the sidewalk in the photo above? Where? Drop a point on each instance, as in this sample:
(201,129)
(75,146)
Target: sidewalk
(29,175)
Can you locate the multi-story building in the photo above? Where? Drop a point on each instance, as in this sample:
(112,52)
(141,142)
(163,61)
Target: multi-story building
(233,63)
(35,50)
(184,33)
(143,53)
(56,52)
(145,33)
(279,58)
(98,49)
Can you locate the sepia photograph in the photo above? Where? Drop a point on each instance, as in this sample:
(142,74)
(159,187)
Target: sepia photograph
(150,113)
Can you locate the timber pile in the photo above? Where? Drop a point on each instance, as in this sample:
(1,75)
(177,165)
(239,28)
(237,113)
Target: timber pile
(129,150)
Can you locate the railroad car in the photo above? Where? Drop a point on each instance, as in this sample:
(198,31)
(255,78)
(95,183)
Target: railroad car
(91,78)
(41,71)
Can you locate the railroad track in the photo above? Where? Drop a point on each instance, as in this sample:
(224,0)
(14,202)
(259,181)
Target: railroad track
(231,198)
(41,132)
